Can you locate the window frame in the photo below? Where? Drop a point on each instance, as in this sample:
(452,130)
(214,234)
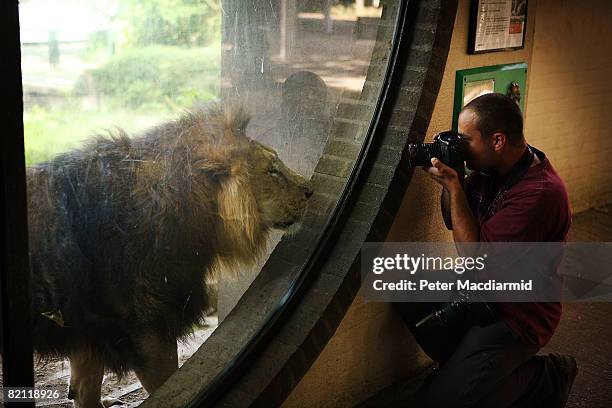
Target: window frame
(17,361)
(328,237)
(17,356)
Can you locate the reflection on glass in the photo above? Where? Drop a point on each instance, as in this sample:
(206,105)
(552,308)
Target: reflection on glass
(472,90)
(153,203)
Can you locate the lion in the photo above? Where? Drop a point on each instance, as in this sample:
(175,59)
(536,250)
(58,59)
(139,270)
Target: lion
(125,233)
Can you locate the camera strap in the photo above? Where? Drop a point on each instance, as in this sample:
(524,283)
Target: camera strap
(493,196)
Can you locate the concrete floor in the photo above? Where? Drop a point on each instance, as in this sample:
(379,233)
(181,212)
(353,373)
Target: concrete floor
(585,332)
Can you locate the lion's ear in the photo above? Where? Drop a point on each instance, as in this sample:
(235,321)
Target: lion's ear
(237,119)
(218,169)
(222,169)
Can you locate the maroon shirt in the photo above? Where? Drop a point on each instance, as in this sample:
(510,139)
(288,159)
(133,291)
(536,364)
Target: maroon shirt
(535,209)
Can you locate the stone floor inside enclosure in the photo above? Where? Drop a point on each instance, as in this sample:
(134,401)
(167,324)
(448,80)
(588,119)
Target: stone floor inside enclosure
(585,332)
(55,374)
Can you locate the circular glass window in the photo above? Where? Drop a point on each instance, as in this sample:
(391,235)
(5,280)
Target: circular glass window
(171,146)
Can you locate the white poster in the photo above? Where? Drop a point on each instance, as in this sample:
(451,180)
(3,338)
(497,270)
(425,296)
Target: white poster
(500,24)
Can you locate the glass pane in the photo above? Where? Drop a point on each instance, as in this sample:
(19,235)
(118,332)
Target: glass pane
(171,145)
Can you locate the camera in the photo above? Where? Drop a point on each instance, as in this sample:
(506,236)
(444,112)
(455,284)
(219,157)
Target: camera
(447,146)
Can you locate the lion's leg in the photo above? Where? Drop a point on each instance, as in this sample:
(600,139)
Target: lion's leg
(86,375)
(160,360)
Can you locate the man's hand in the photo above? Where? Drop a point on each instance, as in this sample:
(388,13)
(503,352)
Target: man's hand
(443,174)
(461,219)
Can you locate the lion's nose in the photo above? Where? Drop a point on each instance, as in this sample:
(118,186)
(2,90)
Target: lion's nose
(308,193)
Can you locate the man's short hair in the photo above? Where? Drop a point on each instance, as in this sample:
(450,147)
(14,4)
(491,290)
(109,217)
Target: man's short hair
(496,112)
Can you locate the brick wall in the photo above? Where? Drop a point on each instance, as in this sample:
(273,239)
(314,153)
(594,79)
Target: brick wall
(371,348)
(569,110)
(357,361)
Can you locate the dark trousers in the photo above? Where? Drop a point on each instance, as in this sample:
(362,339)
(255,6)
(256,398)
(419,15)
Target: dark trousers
(492,368)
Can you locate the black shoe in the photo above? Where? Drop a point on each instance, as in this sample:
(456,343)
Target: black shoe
(567,369)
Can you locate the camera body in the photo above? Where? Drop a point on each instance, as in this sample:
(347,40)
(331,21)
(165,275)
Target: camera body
(447,146)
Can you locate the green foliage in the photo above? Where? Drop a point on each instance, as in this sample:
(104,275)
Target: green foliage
(171,22)
(50,131)
(169,56)
(99,46)
(39,147)
(159,77)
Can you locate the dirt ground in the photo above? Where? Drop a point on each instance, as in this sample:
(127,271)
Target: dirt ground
(56,374)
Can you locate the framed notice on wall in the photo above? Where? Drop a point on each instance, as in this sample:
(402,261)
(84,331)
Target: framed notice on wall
(497,25)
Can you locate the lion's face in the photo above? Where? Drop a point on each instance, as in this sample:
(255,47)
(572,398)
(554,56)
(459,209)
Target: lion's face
(281,194)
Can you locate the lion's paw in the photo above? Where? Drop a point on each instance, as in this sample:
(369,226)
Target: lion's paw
(109,402)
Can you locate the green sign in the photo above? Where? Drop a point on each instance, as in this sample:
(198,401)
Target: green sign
(509,79)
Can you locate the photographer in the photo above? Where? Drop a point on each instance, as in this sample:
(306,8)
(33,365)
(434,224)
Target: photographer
(513,195)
